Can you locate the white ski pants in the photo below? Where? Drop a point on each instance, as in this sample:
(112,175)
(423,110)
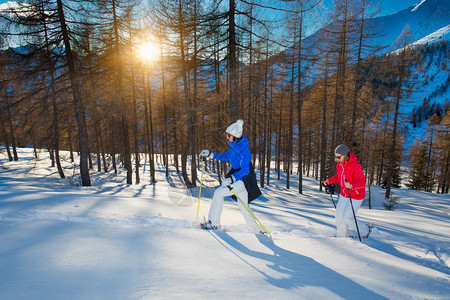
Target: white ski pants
(344,217)
(215,211)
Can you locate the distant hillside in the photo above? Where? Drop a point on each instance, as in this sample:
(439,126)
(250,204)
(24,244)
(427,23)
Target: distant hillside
(431,93)
(423,19)
(429,23)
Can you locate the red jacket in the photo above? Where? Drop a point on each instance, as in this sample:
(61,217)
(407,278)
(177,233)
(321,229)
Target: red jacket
(352,171)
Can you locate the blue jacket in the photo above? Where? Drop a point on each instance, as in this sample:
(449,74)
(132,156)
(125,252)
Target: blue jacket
(239,156)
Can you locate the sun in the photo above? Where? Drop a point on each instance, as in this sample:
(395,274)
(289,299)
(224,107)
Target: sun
(148,51)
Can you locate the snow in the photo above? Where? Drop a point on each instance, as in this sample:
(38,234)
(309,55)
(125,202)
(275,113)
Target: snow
(435,37)
(416,7)
(423,19)
(119,241)
(438,35)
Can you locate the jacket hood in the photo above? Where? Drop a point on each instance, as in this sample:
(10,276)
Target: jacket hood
(352,157)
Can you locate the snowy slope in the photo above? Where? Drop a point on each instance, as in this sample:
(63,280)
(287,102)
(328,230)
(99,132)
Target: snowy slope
(423,19)
(114,241)
(429,84)
(435,37)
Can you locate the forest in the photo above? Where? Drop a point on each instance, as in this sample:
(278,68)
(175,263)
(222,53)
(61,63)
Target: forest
(124,81)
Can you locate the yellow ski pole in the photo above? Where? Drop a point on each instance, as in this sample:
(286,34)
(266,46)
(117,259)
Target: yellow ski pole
(251,213)
(201,182)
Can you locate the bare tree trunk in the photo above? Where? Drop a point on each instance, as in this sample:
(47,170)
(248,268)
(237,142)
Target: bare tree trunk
(234,113)
(77,99)
(97,144)
(394,132)
(134,111)
(279,146)
(265,148)
(148,124)
(357,86)
(9,128)
(290,132)
(55,123)
(188,107)
(341,72)
(323,146)
(165,113)
(11,136)
(381,161)
(120,95)
(269,128)
(300,102)
(401,61)
(69,137)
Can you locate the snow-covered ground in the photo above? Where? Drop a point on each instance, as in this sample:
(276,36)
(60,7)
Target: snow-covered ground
(115,241)
(435,37)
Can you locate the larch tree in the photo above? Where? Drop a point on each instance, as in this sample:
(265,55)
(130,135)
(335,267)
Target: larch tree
(35,23)
(402,72)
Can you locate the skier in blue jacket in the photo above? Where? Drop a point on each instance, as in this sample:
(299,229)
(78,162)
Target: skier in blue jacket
(239,178)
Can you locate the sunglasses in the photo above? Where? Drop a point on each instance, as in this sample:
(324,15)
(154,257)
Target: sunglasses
(338,157)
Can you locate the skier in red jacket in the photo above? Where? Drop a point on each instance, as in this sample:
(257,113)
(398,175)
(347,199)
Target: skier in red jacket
(351,178)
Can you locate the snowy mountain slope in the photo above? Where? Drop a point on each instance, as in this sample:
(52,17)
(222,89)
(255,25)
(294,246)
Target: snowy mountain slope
(435,37)
(423,19)
(114,241)
(429,86)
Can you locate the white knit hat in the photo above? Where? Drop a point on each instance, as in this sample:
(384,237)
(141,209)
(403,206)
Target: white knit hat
(235,129)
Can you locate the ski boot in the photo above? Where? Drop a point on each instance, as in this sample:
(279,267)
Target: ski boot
(370,230)
(207,225)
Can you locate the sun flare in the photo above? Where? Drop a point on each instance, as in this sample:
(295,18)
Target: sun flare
(148,51)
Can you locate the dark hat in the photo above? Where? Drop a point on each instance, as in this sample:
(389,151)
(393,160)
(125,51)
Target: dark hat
(342,149)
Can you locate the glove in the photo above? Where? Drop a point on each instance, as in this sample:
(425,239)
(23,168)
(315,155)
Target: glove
(207,153)
(228,181)
(329,188)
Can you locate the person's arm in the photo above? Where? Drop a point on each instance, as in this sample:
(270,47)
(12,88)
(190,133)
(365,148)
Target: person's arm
(332,179)
(221,156)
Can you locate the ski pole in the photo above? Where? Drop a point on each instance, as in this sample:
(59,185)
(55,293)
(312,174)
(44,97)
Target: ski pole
(354,216)
(201,182)
(248,209)
(329,188)
(331,195)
